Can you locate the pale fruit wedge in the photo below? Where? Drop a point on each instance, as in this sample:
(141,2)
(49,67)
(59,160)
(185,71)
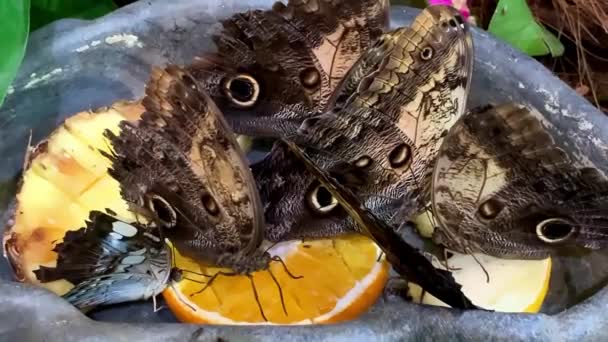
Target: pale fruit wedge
(513,286)
(340,279)
(66,177)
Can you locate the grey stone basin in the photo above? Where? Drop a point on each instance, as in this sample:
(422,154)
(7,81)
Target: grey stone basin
(75,65)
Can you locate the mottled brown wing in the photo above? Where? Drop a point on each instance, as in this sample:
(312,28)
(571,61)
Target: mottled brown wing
(406,260)
(274,68)
(182,164)
(394,109)
(502,186)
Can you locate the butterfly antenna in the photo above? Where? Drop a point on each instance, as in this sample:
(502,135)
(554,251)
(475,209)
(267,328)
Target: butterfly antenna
(257,297)
(182,271)
(278,258)
(280,291)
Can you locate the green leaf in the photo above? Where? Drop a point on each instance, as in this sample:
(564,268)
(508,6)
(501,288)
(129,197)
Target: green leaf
(514,23)
(46,11)
(14,28)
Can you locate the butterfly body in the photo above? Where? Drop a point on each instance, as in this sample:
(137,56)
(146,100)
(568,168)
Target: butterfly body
(505,186)
(110,261)
(390,115)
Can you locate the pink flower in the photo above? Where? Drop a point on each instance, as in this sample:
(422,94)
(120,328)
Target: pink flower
(460,5)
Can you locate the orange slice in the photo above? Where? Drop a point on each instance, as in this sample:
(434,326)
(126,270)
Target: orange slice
(340,279)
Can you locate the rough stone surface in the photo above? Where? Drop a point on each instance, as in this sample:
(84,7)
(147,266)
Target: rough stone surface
(76,65)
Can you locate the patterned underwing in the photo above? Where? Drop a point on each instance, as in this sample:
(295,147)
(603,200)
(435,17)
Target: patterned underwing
(110,261)
(391,113)
(182,167)
(503,186)
(405,259)
(274,68)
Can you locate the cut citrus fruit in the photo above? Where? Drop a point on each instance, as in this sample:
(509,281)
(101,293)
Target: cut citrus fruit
(66,177)
(509,286)
(331,281)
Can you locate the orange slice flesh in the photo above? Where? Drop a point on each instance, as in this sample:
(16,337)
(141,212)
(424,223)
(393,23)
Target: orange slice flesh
(340,279)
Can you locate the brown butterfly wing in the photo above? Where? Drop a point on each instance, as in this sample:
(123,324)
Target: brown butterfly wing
(282,65)
(182,164)
(406,260)
(412,86)
(503,186)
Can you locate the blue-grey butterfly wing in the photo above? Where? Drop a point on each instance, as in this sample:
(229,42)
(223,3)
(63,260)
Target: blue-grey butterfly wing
(110,261)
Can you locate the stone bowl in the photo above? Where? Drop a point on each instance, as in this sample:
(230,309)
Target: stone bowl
(74,65)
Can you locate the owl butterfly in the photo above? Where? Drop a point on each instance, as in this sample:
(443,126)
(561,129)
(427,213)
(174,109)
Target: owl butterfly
(181,167)
(503,186)
(276,67)
(110,261)
(381,138)
(406,260)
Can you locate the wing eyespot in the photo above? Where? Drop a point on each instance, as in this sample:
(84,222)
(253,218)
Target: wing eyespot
(426,53)
(243,90)
(554,230)
(320,200)
(163,210)
(400,156)
(310,78)
(363,162)
(210,204)
(490,208)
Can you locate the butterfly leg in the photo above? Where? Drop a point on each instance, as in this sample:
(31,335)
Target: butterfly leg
(446,257)
(280,290)
(257,297)
(157,308)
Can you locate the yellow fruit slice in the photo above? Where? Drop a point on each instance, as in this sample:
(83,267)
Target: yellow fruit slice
(513,286)
(66,177)
(340,279)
